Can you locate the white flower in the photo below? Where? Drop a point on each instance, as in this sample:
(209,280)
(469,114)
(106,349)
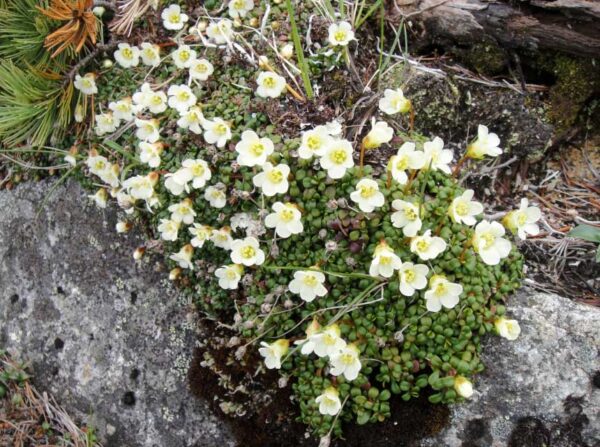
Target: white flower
(156,102)
(216,131)
(150,54)
(183,56)
(285,219)
(337,158)
(273,179)
(463,387)
(123,109)
(201,69)
(239,8)
(426,246)
(147,130)
(463,209)
(393,102)
(127,56)
(340,34)
(270,84)
(412,277)
(333,127)
(141,98)
(100,198)
(329,402)
(308,284)
(328,341)
(523,221)
(287,51)
(485,144)
(307,345)
(79,113)
(169,229)
(201,234)
(222,238)
(108,173)
(181,98)
(367,195)
(346,362)
(183,212)
(177,182)
(184,257)
(406,217)
(150,153)
(406,158)
(86,84)
(442,293)
(215,196)
(379,134)
(70,159)
(173,18)
(192,119)
(253,150)
(229,276)
(105,123)
(220,32)
(314,142)
(273,352)
(141,187)
(200,172)
(489,243)
(436,157)
(384,262)
(508,329)
(247,251)
(125,201)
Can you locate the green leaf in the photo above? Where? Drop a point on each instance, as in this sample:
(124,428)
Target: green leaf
(363,417)
(586,232)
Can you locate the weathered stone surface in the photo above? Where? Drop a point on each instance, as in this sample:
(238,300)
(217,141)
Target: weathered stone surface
(542,389)
(112,341)
(106,336)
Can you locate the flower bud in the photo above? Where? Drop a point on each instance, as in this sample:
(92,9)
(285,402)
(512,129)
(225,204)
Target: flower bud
(107,63)
(287,51)
(463,387)
(99,11)
(123,227)
(263,62)
(138,253)
(174,274)
(79,113)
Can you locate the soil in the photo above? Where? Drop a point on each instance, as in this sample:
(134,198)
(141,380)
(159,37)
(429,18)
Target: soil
(273,423)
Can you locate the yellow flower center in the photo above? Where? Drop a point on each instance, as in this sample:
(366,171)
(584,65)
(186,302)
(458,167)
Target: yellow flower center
(310,280)
(183,96)
(462,209)
(286,215)
(127,53)
(123,107)
(231,274)
(248,252)
(409,275)
(340,35)
(257,149)
(156,100)
(347,359)
(410,213)
(238,4)
(149,53)
(269,82)
(184,55)
(175,17)
(385,260)
(221,129)
(521,218)
(401,162)
(488,239)
(275,176)
(422,245)
(99,165)
(201,68)
(367,191)
(313,142)
(198,170)
(441,289)
(338,156)
(329,339)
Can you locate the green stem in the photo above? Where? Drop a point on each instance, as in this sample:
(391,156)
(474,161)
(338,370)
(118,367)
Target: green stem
(354,302)
(299,52)
(371,10)
(311,269)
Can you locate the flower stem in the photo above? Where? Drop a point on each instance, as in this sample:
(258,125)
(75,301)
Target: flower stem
(459,165)
(362,158)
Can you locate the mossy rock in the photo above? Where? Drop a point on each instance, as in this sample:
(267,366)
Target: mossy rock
(453,108)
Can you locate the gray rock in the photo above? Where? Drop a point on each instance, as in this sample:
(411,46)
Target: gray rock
(543,388)
(107,336)
(112,341)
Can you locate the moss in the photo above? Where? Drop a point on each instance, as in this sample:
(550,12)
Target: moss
(577,80)
(486,58)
